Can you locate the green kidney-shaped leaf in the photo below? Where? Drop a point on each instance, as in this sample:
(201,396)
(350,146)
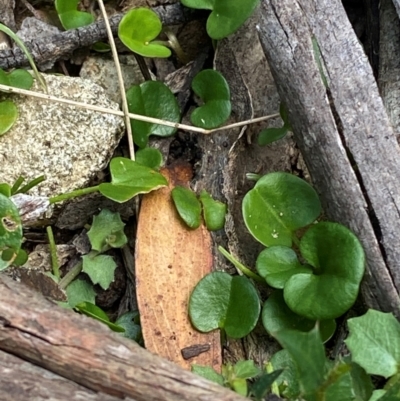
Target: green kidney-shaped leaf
(278,205)
(75,19)
(107,231)
(277,264)
(8,115)
(187,206)
(339,262)
(63,6)
(70,17)
(277,316)
(270,135)
(152,99)
(374,342)
(17,78)
(213,211)
(225,302)
(243,308)
(227,15)
(212,88)
(129,179)
(149,157)
(138,28)
(100,269)
(209,301)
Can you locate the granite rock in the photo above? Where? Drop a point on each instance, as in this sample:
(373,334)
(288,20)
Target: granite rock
(67,144)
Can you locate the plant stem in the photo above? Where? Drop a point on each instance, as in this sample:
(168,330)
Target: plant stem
(245,270)
(173,43)
(73,194)
(17,184)
(31,184)
(71,275)
(296,241)
(53,252)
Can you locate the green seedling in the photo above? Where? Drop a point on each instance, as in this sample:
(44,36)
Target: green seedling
(128,179)
(106,233)
(236,377)
(374,343)
(212,88)
(137,31)
(309,375)
(69,15)
(226,17)
(130,321)
(277,206)
(100,268)
(187,206)
(149,157)
(10,232)
(80,290)
(277,316)
(152,99)
(220,301)
(270,135)
(287,383)
(214,211)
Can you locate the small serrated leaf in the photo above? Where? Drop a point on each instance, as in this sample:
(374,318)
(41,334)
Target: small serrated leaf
(100,269)
(80,290)
(107,231)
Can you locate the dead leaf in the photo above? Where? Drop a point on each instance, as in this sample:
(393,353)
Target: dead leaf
(170,261)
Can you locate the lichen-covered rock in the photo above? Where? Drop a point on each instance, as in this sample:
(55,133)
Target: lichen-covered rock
(67,144)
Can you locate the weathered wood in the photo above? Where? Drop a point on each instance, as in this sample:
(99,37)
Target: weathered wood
(389,62)
(343,131)
(55,47)
(397,6)
(85,351)
(21,381)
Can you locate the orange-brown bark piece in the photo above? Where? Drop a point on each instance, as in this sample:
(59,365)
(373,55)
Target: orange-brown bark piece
(170,261)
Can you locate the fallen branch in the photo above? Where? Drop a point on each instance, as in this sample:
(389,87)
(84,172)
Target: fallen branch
(342,130)
(56,47)
(85,351)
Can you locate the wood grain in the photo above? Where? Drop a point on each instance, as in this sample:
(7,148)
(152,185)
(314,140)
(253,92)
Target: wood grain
(170,260)
(87,352)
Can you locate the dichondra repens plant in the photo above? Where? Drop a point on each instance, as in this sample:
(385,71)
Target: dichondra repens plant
(320,287)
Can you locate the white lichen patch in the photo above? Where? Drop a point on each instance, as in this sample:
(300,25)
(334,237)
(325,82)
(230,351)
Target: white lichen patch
(68,145)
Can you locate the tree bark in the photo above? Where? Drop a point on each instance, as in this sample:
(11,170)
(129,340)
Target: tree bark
(85,351)
(342,130)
